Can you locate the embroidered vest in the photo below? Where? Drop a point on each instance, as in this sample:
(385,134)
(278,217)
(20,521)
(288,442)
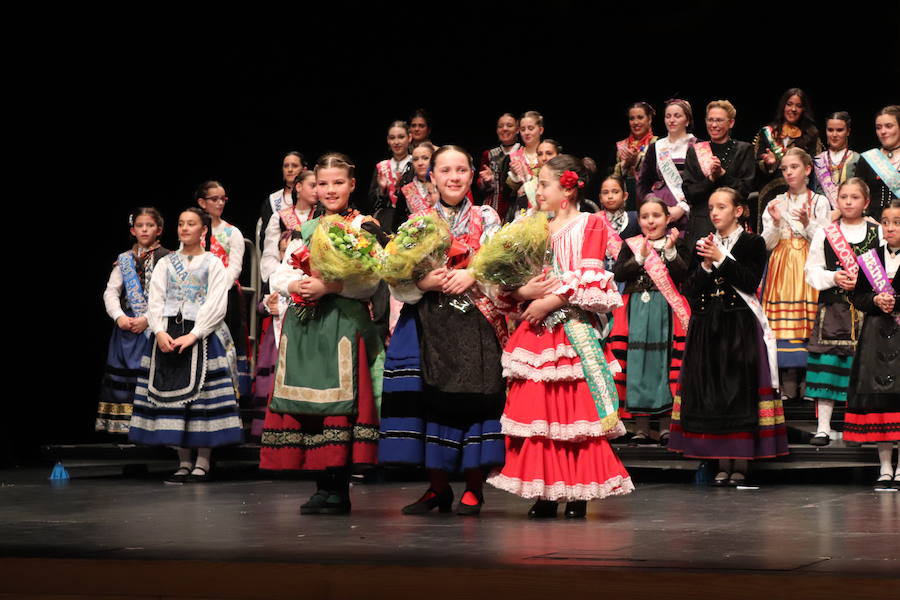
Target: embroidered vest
(186,290)
(838,294)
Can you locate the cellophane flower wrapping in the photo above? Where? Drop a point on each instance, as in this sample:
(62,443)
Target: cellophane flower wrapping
(420,245)
(340,252)
(515,253)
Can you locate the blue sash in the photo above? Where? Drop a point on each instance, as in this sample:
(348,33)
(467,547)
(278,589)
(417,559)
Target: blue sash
(884,169)
(134,291)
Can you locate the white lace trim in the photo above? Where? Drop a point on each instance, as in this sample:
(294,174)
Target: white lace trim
(596,300)
(517,370)
(616,486)
(521,355)
(566,432)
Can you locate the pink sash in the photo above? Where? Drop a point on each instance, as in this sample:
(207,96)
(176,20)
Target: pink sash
(656,269)
(870,264)
(384,169)
(614,240)
(414,200)
(704,156)
(842,248)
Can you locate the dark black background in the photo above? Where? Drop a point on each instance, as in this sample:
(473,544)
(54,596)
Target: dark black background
(144,110)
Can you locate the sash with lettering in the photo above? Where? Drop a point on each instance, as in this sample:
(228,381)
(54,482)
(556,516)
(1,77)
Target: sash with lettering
(614,240)
(670,173)
(884,169)
(823,175)
(276,200)
(704,156)
(289,218)
(177,378)
(384,170)
(656,269)
(870,264)
(777,147)
(841,247)
(756,308)
(415,200)
(134,291)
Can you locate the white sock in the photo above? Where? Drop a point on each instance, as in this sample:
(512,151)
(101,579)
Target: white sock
(825,407)
(203,456)
(184,458)
(885,452)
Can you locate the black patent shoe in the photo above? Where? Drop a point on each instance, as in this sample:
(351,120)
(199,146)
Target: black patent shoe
(178,477)
(577,509)
(430,500)
(820,439)
(543,509)
(314,505)
(336,504)
(470,510)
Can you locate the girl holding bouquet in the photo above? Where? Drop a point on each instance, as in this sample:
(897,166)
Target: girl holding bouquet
(322,415)
(562,402)
(444,389)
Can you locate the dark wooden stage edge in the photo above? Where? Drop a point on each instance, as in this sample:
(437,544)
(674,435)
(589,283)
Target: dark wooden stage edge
(76,579)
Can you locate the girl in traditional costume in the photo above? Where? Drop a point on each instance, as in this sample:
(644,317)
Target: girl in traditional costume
(873,398)
(444,390)
(291,217)
(523,162)
(726,408)
(794,126)
(416,196)
(622,224)
(661,170)
(125,299)
(562,404)
(831,269)
(389,176)
(880,167)
(789,223)
(649,329)
(419,128)
(630,152)
(495,165)
(186,394)
(837,164)
(226,242)
(323,416)
(292,164)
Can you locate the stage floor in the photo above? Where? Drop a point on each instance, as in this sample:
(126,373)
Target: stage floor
(844,531)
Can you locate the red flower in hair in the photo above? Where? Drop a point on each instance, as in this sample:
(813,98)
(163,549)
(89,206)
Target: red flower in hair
(569,179)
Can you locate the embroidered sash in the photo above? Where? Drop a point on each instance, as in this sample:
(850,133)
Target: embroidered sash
(137,296)
(384,169)
(777,147)
(670,174)
(613,239)
(705,157)
(841,247)
(823,175)
(415,200)
(870,264)
(218,250)
(656,269)
(884,169)
(756,308)
(519,156)
(276,200)
(289,218)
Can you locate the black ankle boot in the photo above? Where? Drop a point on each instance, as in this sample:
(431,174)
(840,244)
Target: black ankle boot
(543,509)
(430,500)
(577,509)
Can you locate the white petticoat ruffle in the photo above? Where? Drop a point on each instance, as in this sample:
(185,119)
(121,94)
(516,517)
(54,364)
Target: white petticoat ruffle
(537,488)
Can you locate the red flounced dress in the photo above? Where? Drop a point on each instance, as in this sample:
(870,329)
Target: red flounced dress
(556,444)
